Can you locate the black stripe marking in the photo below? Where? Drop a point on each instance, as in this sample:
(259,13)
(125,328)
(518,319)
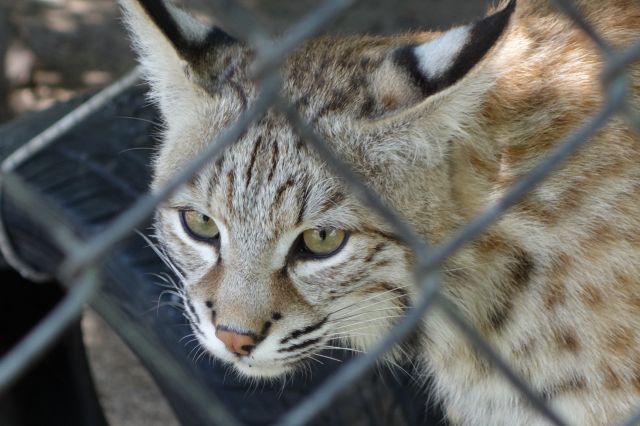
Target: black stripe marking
(571,385)
(265,330)
(518,281)
(333,200)
(188,49)
(299,356)
(279,193)
(240,93)
(192,310)
(297,333)
(230,183)
(304,198)
(252,161)
(302,345)
(274,160)
(374,251)
(197,330)
(483,36)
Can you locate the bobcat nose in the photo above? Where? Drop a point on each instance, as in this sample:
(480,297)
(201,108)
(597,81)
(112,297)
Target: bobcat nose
(237,343)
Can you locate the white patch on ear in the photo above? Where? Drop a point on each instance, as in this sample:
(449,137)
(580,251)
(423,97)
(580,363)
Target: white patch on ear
(436,56)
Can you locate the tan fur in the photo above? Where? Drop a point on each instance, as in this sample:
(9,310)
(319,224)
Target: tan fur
(553,285)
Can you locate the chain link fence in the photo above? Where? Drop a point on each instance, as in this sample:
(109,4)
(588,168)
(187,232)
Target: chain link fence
(80,270)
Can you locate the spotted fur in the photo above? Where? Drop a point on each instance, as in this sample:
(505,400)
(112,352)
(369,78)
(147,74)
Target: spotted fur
(440,125)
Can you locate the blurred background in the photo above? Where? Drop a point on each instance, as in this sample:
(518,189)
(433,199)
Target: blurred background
(53,50)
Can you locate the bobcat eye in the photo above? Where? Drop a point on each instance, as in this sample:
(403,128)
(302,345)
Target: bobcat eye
(323,242)
(199,226)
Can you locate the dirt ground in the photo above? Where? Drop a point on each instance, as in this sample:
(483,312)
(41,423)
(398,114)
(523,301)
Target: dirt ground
(51,50)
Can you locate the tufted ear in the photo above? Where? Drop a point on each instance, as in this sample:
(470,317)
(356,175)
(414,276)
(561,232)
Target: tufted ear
(169,43)
(441,62)
(417,71)
(428,92)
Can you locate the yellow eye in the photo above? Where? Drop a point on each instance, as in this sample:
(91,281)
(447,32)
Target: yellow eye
(323,242)
(199,226)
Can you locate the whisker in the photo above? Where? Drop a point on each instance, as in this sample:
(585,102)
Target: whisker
(141,148)
(343,326)
(159,305)
(343,349)
(328,357)
(171,292)
(196,349)
(313,358)
(156,123)
(358,351)
(347,333)
(163,256)
(204,352)
(391,308)
(187,336)
(373,296)
(193,339)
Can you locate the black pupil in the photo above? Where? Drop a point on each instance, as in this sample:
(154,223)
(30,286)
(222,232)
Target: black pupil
(205,219)
(323,234)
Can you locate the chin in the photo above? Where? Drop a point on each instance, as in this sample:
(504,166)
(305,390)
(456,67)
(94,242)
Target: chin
(250,367)
(261,371)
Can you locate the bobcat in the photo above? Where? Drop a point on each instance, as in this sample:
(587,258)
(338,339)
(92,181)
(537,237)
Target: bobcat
(278,258)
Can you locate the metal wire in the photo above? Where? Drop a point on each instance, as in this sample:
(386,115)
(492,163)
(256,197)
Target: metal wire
(209,406)
(90,252)
(41,141)
(48,329)
(496,360)
(82,258)
(352,371)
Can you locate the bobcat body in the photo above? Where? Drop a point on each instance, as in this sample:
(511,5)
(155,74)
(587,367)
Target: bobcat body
(440,125)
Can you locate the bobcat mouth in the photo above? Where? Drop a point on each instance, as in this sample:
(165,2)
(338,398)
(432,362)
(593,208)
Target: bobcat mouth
(262,369)
(272,367)
(265,361)
(302,345)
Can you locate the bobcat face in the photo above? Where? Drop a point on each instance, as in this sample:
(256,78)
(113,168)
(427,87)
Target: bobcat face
(278,259)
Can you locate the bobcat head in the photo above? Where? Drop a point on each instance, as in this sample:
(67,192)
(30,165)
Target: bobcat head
(277,258)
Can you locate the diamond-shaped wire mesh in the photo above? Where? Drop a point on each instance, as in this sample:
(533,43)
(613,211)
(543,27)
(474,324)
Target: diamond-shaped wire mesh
(80,268)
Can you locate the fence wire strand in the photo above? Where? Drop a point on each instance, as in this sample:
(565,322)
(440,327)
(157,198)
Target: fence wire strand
(43,335)
(82,258)
(208,406)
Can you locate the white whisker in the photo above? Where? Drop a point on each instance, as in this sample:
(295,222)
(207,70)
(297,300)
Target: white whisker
(343,326)
(391,308)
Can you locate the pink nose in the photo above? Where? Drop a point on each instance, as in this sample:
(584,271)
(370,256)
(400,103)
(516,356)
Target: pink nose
(239,344)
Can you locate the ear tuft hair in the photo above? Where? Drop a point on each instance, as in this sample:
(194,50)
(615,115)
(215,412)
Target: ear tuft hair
(188,36)
(445,60)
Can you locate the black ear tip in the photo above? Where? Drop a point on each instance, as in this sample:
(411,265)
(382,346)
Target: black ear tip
(162,12)
(493,25)
(510,7)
